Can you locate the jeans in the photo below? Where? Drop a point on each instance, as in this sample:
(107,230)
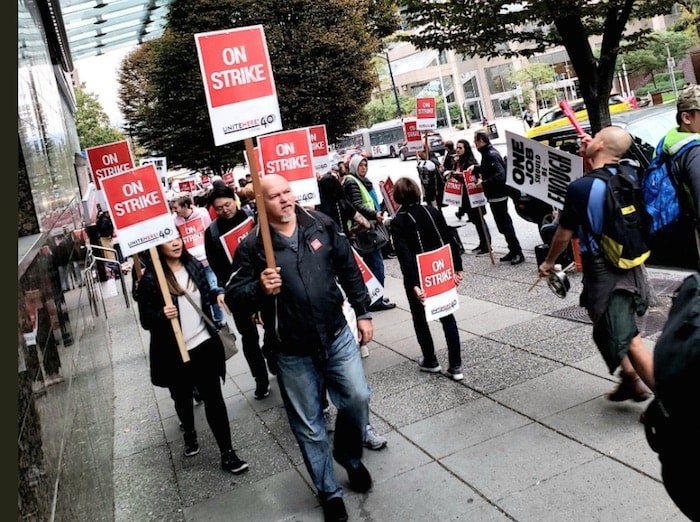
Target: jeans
(375,262)
(216,310)
(302,382)
(505,225)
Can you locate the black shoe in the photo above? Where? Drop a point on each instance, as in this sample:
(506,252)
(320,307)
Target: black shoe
(382,305)
(231,462)
(508,257)
(195,395)
(477,249)
(262,390)
(191,444)
(459,215)
(359,478)
(482,252)
(519,258)
(334,510)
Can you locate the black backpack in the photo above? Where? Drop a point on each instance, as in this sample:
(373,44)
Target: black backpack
(624,240)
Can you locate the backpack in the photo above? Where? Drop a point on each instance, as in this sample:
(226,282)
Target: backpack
(624,238)
(660,187)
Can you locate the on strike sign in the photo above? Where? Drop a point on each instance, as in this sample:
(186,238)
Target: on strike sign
(374,287)
(426,113)
(238,83)
(108,160)
(289,154)
(437,278)
(139,210)
(477,198)
(453,192)
(413,140)
(319,147)
(231,239)
(387,190)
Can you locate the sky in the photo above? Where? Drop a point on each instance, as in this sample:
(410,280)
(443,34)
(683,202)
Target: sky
(99,73)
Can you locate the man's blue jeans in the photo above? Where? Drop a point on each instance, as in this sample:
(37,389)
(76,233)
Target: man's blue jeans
(302,382)
(375,262)
(216,311)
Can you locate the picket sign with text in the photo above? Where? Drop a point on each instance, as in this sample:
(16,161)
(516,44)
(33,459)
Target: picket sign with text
(540,171)
(108,160)
(231,239)
(319,148)
(228,177)
(374,287)
(453,192)
(387,190)
(238,83)
(289,154)
(139,209)
(477,198)
(437,278)
(186,185)
(414,141)
(205,180)
(192,234)
(161,165)
(256,151)
(426,113)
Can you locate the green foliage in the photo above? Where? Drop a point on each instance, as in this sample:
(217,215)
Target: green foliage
(663,84)
(92,122)
(651,56)
(321,59)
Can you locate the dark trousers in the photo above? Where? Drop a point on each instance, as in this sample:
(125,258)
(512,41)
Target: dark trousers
(476,216)
(250,339)
(209,385)
(505,225)
(425,339)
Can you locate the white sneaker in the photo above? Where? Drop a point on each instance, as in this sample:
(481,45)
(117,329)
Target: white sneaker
(373,440)
(364,351)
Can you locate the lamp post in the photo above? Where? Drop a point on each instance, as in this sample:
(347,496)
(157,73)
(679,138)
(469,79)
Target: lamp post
(393,84)
(442,86)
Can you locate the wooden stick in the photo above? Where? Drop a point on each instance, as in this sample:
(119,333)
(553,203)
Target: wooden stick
(535,283)
(155,259)
(486,236)
(260,204)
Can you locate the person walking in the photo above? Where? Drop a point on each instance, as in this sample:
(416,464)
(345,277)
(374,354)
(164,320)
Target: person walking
(307,338)
(611,296)
(223,201)
(417,229)
(207,367)
(464,161)
(492,177)
(430,175)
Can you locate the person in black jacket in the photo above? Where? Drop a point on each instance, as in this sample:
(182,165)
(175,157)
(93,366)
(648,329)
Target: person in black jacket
(185,275)
(492,177)
(416,229)
(306,335)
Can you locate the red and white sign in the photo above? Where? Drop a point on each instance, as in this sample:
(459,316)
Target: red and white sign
(414,142)
(227,178)
(108,160)
(231,239)
(289,154)
(205,180)
(238,83)
(375,289)
(319,148)
(258,157)
(139,210)
(426,113)
(437,279)
(477,198)
(192,234)
(453,192)
(187,185)
(387,190)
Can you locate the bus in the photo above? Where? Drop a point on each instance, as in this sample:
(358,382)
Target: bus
(381,140)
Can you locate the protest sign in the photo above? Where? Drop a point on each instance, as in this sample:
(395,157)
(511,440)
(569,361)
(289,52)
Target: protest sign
(539,170)
(238,83)
(192,234)
(437,274)
(374,288)
(426,113)
(319,148)
(414,142)
(139,210)
(227,178)
(186,185)
(477,198)
(288,153)
(453,192)
(258,157)
(387,190)
(231,239)
(108,160)
(161,165)
(205,181)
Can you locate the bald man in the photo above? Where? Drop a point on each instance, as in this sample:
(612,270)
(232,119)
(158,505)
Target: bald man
(307,339)
(611,296)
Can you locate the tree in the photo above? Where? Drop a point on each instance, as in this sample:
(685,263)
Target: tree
(91,121)
(651,57)
(531,77)
(506,28)
(321,58)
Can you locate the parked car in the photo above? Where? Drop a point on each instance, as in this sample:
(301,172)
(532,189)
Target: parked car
(434,140)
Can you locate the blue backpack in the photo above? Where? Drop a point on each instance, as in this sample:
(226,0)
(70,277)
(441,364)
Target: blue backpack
(660,187)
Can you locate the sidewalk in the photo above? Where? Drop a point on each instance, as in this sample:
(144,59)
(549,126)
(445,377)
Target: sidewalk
(527,435)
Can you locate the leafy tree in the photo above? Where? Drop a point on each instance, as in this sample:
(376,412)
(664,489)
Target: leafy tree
(92,122)
(651,57)
(506,28)
(321,58)
(531,77)
(690,18)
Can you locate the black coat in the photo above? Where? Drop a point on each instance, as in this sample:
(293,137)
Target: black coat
(164,355)
(493,173)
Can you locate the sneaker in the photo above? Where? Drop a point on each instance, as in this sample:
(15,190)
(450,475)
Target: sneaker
(508,257)
(364,351)
(430,369)
(372,440)
(359,478)
(191,444)
(519,258)
(262,390)
(334,510)
(382,305)
(482,252)
(477,249)
(231,462)
(455,373)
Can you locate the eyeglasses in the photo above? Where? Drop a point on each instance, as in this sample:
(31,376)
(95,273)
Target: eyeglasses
(220,208)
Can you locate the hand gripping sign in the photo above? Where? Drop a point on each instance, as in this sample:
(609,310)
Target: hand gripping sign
(374,287)
(453,192)
(437,279)
(238,83)
(289,154)
(426,113)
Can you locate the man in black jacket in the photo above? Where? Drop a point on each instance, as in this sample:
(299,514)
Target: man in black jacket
(492,177)
(306,335)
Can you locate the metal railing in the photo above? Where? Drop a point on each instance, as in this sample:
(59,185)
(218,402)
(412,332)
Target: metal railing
(91,277)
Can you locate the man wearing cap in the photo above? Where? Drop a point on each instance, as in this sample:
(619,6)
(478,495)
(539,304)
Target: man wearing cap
(681,247)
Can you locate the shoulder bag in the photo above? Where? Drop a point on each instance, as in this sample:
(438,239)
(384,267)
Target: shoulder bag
(226,335)
(372,239)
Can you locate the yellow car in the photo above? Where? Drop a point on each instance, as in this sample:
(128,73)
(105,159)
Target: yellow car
(555,117)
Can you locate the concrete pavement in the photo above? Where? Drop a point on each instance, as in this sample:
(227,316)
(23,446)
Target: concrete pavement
(527,435)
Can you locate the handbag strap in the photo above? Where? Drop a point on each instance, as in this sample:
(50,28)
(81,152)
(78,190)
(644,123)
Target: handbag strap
(420,241)
(199,311)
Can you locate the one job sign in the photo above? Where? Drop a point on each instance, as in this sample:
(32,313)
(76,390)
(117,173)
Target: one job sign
(238,83)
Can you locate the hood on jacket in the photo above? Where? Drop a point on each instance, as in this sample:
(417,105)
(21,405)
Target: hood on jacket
(355,162)
(676,138)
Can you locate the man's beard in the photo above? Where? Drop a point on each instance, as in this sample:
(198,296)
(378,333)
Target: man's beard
(286,218)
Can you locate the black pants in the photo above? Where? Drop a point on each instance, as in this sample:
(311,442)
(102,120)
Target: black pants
(250,339)
(476,216)
(505,225)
